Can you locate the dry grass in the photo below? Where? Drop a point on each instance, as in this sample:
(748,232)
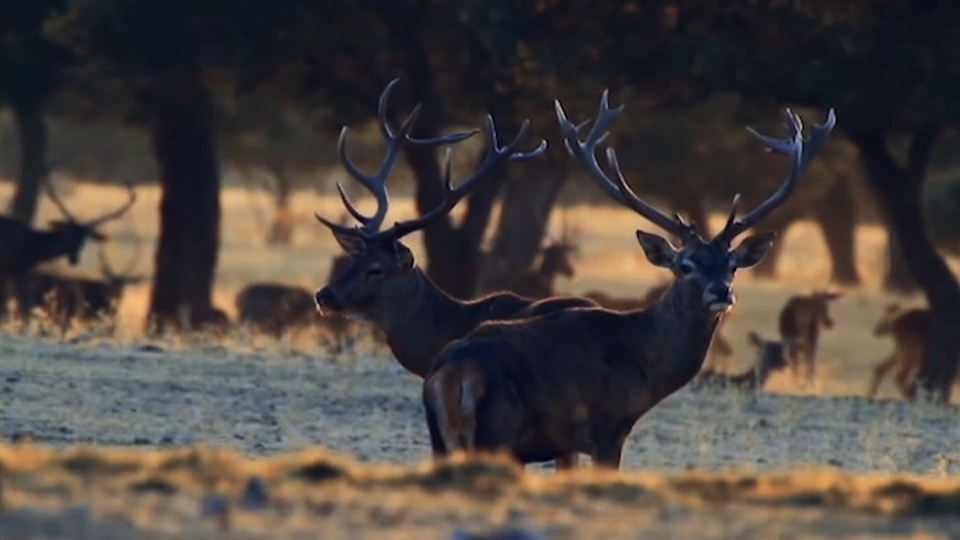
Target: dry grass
(269,399)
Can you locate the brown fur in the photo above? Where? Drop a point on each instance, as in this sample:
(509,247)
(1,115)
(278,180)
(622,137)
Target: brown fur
(800,321)
(909,328)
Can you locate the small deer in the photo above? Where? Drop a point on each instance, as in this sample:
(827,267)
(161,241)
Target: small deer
(577,380)
(22,248)
(273,308)
(555,261)
(770,359)
(384,284)
(720,352)
(800,321)
(909,328)
(66,299)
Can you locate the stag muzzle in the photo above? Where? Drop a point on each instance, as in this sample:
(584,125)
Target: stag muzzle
(327,302)
(718,298)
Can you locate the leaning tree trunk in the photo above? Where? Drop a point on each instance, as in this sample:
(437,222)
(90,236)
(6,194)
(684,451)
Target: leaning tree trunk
(897,277)
(527,201)
(32,130)
(898,188)
(838,220)
(779,222)
(183,140)
(281,230)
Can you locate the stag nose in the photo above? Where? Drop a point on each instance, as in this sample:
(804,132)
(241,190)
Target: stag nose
(718,297)
(325,300)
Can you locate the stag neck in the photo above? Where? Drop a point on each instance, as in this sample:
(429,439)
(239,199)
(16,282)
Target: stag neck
(677,331)
(45,246)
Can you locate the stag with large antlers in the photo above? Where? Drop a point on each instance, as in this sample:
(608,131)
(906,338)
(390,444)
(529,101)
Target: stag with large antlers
(22,248)
(577,380)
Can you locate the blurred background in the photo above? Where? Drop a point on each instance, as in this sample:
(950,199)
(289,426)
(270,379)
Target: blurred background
(224,117)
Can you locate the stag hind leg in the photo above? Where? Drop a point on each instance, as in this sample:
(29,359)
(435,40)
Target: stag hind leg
(453,394)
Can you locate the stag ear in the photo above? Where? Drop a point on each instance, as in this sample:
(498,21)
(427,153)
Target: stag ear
(352,243)
(659,251)
(751,251)
(404,257)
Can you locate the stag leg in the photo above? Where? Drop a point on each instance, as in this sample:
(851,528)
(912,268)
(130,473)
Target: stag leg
(905,379)
(879,373)
(608,445)
(23,285)
(436,438)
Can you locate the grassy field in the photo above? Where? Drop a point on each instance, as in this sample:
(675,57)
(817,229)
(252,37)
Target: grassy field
(788,463)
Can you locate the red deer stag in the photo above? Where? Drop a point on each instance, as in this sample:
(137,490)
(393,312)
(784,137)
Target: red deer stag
(577,380)
(770,359)
(384,284)
(909,328)
(800,321)
(22,248)
(66,299)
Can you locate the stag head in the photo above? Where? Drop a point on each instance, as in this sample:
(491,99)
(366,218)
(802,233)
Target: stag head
(707,266)
(380,260)
(75,233)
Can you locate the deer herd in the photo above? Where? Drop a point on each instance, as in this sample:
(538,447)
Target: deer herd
(537,375)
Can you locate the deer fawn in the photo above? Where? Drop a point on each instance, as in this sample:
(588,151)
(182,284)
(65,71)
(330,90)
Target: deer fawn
(22,248)
(577,380)
(66,299)
(555,261)
(909,328)
(384,284)
(800,321)
(770,359)
(720,351)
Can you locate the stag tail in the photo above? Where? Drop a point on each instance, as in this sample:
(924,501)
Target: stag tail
(452,394)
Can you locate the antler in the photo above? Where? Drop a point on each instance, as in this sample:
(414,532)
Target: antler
(48,187)
(494,158)
(586,153)
(376,183)
(801,154)
(131,198)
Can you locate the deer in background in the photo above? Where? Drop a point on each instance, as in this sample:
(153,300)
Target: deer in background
(577,380)
(385,286)
(770,359)
(22,248)
(720,352)
(66,299)
(909,328)
(800,321)
(555,260)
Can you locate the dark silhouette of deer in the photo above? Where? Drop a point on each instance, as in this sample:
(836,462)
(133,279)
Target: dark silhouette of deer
(67,299)
(385,286)
(720,352)
(274,308)
(800,321)
(577,380)
(909,328)
(556,259)
(22,248)
(770,359)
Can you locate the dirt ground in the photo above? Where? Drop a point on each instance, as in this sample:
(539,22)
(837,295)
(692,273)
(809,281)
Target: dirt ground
(265,400)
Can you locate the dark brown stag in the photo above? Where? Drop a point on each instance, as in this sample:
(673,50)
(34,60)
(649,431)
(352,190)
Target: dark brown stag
(22,248)
(577,380)
(909,328)
(384,284)
(800,321)
(67,299)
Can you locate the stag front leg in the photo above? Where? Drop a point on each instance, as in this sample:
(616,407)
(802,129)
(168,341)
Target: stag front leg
(608,444)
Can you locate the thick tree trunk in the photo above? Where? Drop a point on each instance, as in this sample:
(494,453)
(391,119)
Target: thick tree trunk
(281,230)
(32,130)
(838,220)
(527,201)
(898,189)
(897,277)
(779,221)
(183,140)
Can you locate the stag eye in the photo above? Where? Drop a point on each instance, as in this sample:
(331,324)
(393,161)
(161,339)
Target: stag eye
(687,267)
(375,272)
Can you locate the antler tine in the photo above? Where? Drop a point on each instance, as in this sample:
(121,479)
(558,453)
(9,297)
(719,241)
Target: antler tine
(48,187)
(585,152)
(495,157)
(801,155)
(105,268)
(132,198)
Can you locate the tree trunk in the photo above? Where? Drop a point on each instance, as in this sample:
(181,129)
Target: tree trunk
(779,221)
(281,230)
(838,220)
(527,202)
(32,130)
(183,140)
(898,189)
(897,277)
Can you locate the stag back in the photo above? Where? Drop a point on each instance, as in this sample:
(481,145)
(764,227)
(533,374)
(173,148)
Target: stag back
(704,269)
(381,264)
